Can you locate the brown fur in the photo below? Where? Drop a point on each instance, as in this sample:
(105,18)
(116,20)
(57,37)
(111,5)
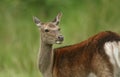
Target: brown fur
(88,56)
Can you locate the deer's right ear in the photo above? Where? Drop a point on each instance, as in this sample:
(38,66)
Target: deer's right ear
(37,21)
(57,18)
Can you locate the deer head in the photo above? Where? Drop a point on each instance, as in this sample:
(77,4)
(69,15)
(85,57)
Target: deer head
(50,31)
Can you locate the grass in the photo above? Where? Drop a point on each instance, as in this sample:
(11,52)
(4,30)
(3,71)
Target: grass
(13,73)
(19,37)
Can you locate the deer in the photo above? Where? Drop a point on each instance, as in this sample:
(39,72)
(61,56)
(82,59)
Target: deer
(98,55)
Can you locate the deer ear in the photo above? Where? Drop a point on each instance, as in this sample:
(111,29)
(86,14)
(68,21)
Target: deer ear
(57,18)
(37,21)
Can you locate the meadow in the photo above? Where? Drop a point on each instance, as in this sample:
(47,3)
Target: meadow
(19,36)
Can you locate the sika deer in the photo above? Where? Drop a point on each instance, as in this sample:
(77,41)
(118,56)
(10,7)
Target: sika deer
(99,54)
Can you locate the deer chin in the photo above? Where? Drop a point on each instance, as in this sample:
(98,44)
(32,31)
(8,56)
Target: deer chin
(58,42)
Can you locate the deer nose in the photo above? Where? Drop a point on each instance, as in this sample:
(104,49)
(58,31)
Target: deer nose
(61,38)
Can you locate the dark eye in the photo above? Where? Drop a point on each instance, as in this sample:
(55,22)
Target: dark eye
(46,30)
(59,29)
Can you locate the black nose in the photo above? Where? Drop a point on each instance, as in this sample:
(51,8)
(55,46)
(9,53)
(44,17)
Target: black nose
(61,38)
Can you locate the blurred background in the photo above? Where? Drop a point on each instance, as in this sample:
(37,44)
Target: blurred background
(19,36)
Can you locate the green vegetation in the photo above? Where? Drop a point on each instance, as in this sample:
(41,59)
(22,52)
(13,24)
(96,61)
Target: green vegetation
(19,37)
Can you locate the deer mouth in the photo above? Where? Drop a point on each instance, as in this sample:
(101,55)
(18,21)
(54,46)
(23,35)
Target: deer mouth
(59,39)
(58,42)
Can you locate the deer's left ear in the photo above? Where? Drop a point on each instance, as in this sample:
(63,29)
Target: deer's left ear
(57,19)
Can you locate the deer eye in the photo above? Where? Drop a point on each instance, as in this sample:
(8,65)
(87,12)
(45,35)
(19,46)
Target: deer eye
(46,30)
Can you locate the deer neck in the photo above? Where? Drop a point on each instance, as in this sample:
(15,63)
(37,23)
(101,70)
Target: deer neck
(45,59)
